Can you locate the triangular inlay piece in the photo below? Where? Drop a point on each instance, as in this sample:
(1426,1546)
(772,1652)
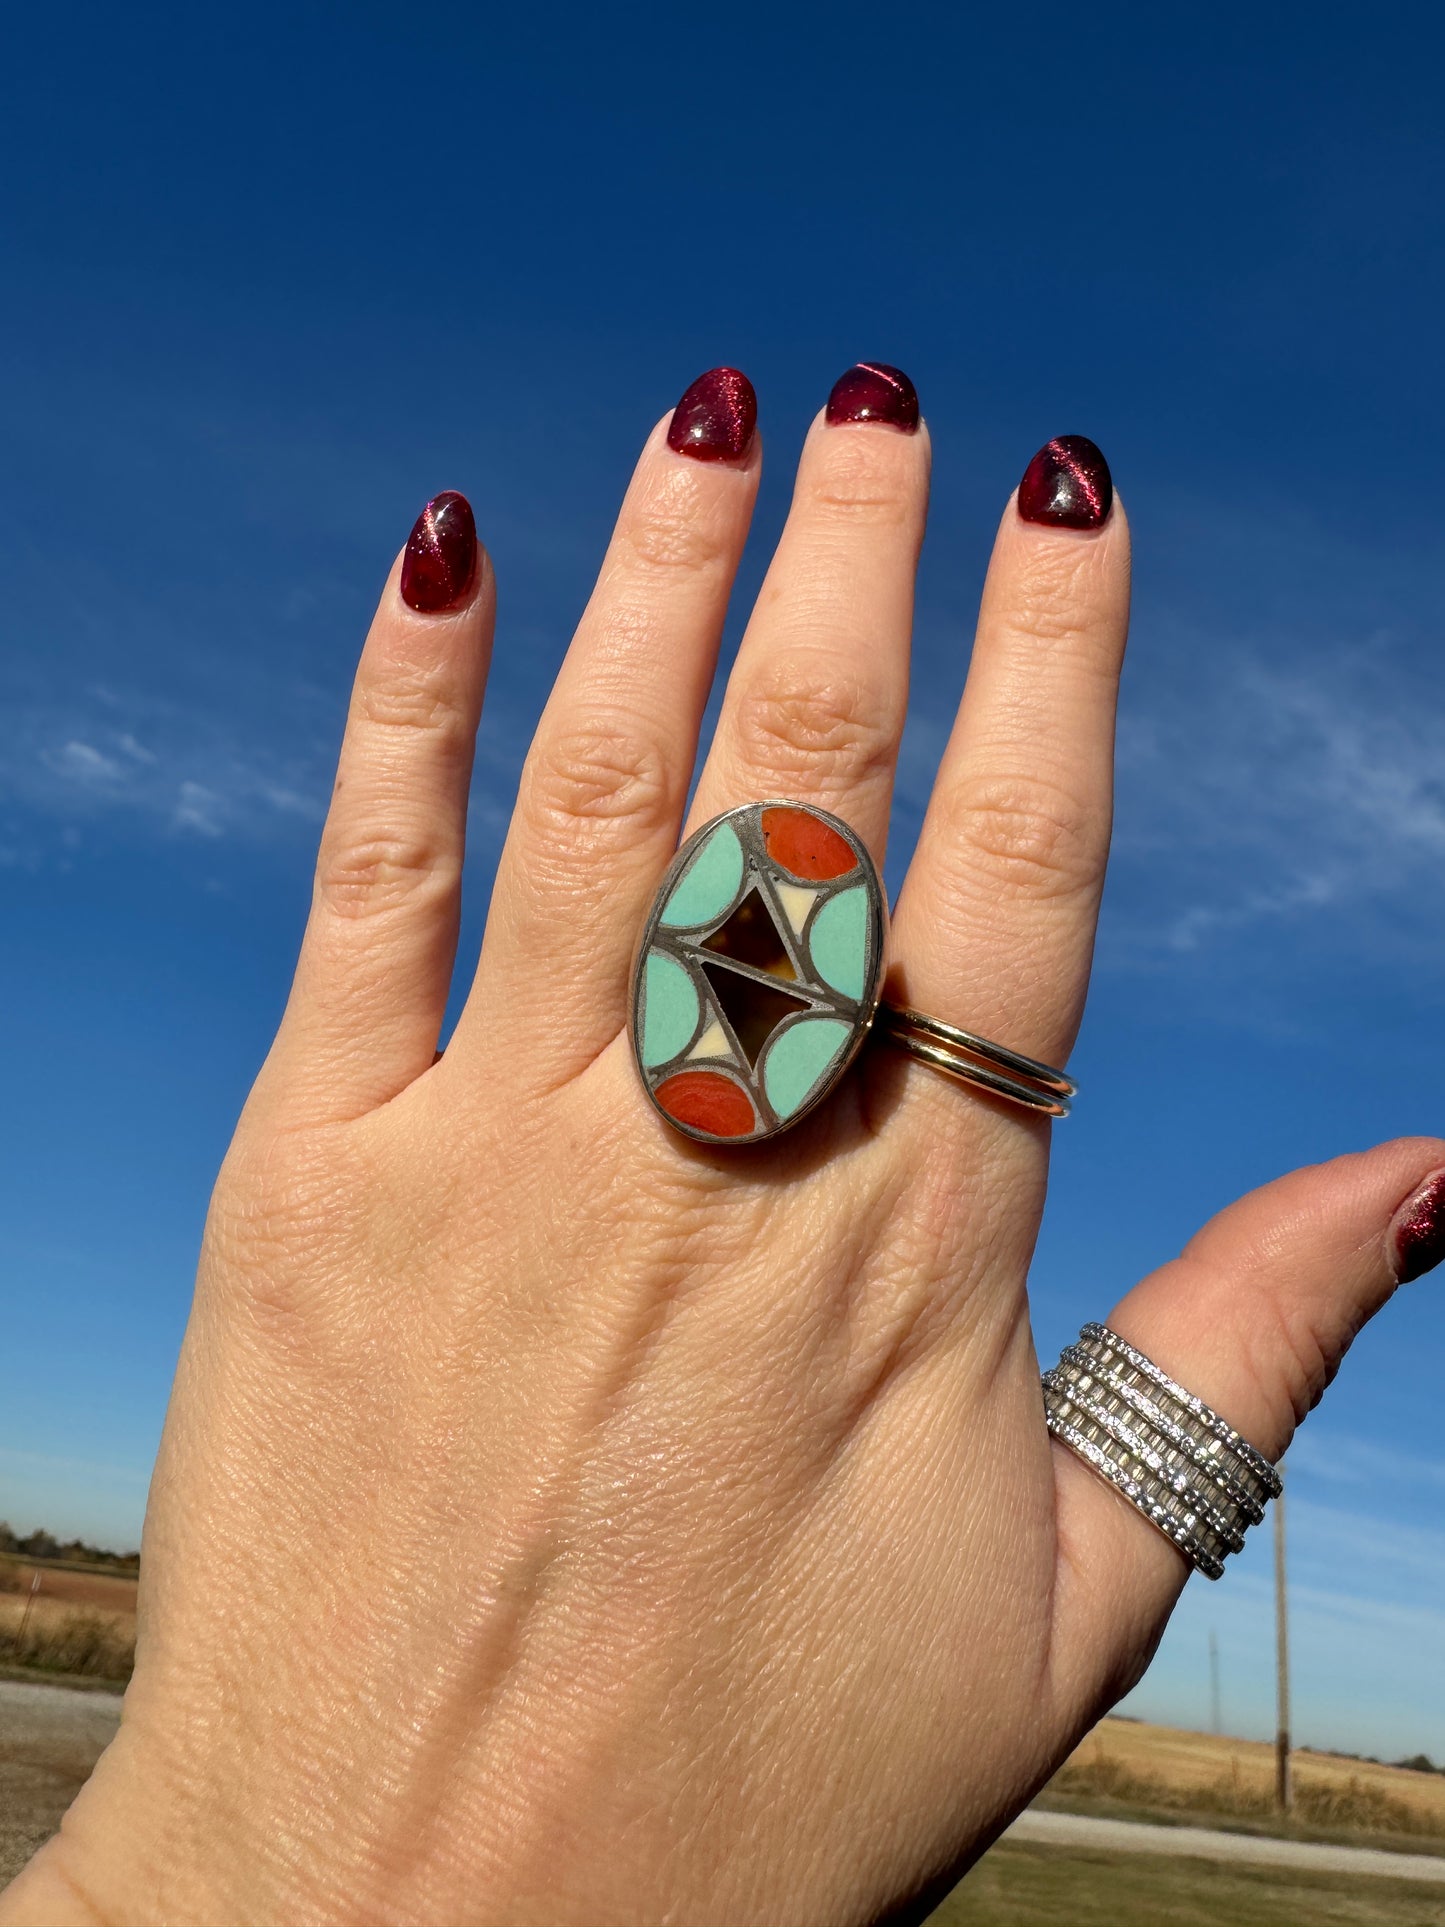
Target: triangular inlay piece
(797,902)
(750,936)
(712,1043)
(754,1010)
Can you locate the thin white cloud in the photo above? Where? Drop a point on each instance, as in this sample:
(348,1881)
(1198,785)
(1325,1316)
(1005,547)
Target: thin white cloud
(1282,785)
(164,767)
(1382,1558)
(1303,799)
(198,808)
(1337,1458)
(79,762)
(1194,927)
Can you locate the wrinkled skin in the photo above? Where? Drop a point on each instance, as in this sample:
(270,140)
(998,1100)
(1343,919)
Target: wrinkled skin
(560,1522)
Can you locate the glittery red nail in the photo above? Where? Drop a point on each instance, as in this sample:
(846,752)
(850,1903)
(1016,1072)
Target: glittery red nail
(871,391)
(1067,485)
(1419,1230)
(715,419)
(441,555)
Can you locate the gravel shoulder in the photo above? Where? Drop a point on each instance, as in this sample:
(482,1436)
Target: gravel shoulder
(1198,1843)
(50,1738)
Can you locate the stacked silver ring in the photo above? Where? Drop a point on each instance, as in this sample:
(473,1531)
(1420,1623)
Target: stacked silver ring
(1185,1468)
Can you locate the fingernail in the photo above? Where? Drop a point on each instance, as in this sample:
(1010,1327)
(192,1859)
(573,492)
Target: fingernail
(1418,1232)
(441,555)
(715,419)
(1067,485)
(871,391)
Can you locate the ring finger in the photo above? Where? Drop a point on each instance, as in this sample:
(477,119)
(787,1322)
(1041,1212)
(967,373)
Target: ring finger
(995,924)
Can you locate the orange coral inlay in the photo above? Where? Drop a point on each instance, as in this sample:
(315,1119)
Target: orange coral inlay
(805,846)
(708,1102)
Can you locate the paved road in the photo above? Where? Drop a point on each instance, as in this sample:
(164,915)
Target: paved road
(1133,1836)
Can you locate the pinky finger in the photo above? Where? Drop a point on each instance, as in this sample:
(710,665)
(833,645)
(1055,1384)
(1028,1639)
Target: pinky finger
(376,961)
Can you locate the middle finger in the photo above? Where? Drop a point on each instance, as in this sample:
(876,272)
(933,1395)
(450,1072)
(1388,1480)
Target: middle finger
(815,703)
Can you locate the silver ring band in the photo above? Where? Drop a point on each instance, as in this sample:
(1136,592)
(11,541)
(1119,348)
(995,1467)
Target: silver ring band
(972,1059)
(1184,1467)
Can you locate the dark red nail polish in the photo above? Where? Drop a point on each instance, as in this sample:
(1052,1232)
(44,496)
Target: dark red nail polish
(441,555)
(1067,485)
(871,391)
(715,419)
(1420,1230)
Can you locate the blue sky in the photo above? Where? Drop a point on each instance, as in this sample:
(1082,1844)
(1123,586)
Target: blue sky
(275,276)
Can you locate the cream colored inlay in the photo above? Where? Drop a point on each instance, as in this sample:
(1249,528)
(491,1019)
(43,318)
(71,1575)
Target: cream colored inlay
(797,902)
(712,1043)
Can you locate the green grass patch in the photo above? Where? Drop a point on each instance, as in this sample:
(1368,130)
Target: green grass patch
(1021,1885)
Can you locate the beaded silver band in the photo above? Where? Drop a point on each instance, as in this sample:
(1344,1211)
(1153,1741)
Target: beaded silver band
(1185,1468)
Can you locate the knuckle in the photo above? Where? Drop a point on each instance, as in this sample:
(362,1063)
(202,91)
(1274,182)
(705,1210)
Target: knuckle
(857,485)
(366,876)
(279,1221)
(1307,1352)
(670,535)
(1031,838)
(606,773)
(791,722)
(412,703)
(1062,598)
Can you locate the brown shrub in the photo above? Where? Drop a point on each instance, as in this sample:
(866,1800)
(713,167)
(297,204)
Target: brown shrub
(1317,1803)
(65,1639)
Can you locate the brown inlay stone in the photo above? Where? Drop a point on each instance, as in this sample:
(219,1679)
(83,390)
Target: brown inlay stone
(751,937)
(754,1010)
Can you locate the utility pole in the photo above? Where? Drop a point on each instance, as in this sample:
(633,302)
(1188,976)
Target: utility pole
(1216,1720)
(1284,1793)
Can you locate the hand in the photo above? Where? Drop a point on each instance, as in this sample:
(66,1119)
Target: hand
(557,1521)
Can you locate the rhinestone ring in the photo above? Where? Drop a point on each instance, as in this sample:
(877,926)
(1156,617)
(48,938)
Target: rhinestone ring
(1183,1466)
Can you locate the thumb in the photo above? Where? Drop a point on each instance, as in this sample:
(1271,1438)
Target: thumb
(1253,1317)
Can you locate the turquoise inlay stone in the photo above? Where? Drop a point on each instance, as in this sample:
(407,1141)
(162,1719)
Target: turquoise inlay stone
(797,1058)
(758,971)
(839,941)
(709,883)
(670,1009)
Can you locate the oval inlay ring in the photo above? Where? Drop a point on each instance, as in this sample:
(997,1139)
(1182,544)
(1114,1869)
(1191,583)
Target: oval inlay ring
(759,971)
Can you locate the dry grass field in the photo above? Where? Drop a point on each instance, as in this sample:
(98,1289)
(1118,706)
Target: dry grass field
(76,1623)
(105,1592)
(1155,1772)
